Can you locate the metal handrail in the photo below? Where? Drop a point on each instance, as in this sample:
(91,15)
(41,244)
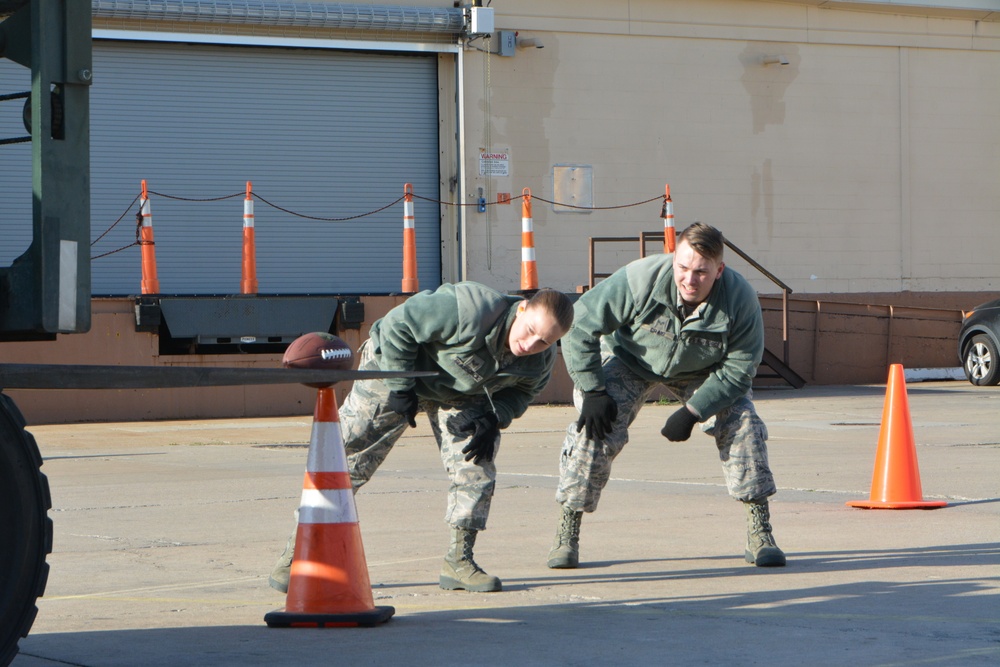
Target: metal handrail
(645,237)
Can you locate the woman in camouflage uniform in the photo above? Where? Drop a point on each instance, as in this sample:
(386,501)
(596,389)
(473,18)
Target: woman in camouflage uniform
(493,354)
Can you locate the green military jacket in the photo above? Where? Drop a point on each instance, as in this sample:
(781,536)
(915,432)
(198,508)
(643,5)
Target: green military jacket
(460,330)
(636,309)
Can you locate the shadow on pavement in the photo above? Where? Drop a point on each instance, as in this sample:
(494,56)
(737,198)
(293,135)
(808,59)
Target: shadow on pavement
(928,620)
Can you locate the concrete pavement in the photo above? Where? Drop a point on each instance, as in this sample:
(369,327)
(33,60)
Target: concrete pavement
(165,533)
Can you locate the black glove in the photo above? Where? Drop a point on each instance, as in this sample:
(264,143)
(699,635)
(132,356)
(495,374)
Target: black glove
(679,425)
(485,428)
(598,414)
(404,403)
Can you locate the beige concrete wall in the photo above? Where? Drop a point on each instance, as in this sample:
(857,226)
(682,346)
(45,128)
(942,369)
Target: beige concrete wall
(848,170)
(841,172)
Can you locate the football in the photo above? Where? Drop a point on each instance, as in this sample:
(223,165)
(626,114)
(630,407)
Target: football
(318,350)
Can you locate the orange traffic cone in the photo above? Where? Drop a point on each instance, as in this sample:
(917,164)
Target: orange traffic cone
(248,285)
(329,585)
(150,283)
(896,482)
(669,231)
(410,284)
(529,268)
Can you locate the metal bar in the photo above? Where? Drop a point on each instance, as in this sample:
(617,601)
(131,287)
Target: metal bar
(774,279)
(816,330)
(604,239)
(616,239)
(68,376)
(658,236)
(888,341)
(648,236)
(654,236)
(784,324)
(590,268)
(346,16)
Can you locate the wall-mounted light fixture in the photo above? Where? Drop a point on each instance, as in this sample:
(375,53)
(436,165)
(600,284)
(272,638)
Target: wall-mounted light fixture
(774,60)
(508,41)
(529,43)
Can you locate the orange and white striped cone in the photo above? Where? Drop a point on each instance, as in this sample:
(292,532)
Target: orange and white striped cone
(669,233)
(329,585)
(150,283)
(248,285)
(529,269)
(410,284)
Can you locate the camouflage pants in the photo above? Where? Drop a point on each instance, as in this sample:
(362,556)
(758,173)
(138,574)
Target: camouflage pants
(740,436)
(370,431)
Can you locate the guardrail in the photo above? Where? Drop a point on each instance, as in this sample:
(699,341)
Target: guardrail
(645,237)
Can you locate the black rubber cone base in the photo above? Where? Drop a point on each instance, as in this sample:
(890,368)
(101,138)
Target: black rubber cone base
(365,619)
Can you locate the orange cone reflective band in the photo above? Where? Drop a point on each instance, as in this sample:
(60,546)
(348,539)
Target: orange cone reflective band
(410,283)
(529,270)
(150,284)
(249,282)
(669,233)
(328,585)
(896,481)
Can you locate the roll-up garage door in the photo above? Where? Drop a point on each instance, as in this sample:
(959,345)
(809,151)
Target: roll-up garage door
(326,137)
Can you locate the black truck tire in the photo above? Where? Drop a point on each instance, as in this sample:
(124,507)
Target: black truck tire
(25,529)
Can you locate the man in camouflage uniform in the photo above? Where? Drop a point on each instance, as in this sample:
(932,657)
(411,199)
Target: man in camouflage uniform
(686,322)
(493,354)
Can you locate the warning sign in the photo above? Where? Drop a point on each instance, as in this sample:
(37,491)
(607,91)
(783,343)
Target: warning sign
(494,163)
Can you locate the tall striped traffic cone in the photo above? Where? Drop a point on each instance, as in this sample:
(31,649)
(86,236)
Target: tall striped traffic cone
(529,270)
(896,481)
(329,585)
(248,284)
(669,233)
(410,283)
(150,283)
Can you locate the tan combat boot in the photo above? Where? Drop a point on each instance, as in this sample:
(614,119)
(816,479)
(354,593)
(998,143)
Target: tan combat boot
(282,571)
(460,570)
(761,549)
(565,553)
